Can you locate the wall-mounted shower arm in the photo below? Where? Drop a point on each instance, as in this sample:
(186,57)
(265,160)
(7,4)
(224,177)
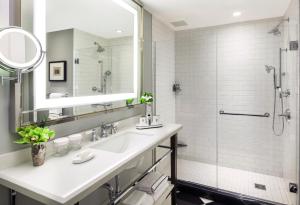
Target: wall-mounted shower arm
(275,31)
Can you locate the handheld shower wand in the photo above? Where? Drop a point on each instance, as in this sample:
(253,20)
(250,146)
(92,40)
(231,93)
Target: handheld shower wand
(276,87)
(269,69)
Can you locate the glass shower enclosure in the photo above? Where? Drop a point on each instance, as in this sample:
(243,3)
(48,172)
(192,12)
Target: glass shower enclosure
(239,84)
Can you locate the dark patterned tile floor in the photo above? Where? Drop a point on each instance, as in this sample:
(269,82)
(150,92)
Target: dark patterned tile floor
(184,198)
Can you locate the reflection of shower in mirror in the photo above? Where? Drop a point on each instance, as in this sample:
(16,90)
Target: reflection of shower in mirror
(104,76)
(100,49)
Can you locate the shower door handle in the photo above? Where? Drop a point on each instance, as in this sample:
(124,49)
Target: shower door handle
(222,112)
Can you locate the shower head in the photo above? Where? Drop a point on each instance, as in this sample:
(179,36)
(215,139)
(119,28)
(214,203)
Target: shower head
(275,31)
(269,68)
(100,49)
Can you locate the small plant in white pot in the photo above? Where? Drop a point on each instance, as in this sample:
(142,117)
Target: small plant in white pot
(37,137)
(147,100)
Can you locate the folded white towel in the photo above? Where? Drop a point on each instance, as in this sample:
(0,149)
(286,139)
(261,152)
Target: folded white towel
(150,182)
(160,190)
(56,113)
(162,179)
(57,95)
(142,198)
(138,198)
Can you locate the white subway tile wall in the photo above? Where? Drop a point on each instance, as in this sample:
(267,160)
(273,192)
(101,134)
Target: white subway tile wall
(244,86)
(164,40)
(196,104)
(122,64)
(223,68)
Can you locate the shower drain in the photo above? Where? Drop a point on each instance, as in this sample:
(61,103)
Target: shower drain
(260,186)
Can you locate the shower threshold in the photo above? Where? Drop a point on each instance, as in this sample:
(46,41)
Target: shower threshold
(247,184)
(219,196)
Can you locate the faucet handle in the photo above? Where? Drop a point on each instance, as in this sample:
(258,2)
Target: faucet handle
(104,132)
(104,126)
(93,133)
(114,127)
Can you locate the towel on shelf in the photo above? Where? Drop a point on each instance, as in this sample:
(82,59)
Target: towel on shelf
(160,190)
(56,113)
(150,182)
(57,95)
(138,198)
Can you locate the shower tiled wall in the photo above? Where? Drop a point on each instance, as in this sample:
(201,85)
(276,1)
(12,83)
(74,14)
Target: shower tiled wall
(164,41)
(196,103)
(244,86)
(223,68)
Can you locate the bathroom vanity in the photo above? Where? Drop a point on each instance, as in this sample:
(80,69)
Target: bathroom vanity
(59,181)
(88,67)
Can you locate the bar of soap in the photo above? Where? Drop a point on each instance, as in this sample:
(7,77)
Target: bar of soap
(83,156)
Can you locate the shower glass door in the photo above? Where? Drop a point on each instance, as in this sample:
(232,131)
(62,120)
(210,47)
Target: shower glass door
(231,105)
(253,154)
(196,105)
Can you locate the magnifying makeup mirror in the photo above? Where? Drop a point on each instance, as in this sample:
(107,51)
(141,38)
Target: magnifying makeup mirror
(20,51)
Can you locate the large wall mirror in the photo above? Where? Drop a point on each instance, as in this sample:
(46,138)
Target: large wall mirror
(93,56)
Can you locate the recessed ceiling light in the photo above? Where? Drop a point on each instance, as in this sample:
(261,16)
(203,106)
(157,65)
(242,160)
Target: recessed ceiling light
(236,13)
(119,31)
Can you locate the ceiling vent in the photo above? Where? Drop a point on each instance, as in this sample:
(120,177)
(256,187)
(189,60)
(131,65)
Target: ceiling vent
(179,23)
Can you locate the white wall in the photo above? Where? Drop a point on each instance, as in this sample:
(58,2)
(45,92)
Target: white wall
(164,39)
(223,68)
(4,13)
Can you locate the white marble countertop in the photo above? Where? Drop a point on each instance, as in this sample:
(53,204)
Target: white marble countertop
(59,181)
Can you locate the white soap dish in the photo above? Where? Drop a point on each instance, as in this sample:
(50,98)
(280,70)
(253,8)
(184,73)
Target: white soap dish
(83,156)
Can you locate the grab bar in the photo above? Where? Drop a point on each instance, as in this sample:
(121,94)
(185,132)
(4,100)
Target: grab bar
(241,114)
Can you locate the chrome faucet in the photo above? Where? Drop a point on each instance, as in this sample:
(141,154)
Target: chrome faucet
(94,135)
(104,132)
(107,129)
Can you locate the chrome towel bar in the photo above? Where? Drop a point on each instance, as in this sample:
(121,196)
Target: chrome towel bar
(221,112)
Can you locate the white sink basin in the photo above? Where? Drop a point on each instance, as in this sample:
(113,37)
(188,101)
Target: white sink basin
(121,143)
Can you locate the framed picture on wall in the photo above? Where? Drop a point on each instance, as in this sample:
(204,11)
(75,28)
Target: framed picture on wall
(58,71)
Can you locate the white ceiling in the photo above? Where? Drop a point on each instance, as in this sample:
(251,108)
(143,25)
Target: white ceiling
(204,13)
(98,17)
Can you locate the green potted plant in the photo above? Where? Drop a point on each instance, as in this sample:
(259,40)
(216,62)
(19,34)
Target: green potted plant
(147,100)
(129,102)
(37,137)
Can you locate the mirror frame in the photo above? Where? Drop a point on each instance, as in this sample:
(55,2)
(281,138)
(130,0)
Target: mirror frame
(41,101)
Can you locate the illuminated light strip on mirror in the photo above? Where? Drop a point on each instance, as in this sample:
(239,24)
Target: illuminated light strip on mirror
(40,94)
(26,65)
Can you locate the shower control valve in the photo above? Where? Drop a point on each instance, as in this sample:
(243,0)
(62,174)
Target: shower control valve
(293,187)
(286,114)
(285,94)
